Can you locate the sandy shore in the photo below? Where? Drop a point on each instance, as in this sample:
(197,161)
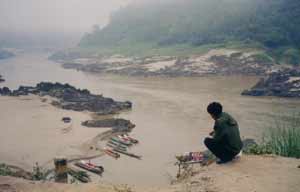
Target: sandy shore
(250,173)
(32,131)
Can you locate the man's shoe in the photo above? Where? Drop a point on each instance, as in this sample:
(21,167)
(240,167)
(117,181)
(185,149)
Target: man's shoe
(219,162)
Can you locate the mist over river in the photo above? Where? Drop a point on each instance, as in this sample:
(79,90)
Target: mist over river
(169,113)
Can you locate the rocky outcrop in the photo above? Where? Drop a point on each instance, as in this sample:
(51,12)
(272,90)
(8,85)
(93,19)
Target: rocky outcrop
(115,124)
(284,83)
(215,61)
(70,98)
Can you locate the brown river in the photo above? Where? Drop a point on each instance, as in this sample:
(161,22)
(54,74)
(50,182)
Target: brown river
(169,113)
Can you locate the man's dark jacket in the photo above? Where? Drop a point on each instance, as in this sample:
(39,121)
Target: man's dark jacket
(226,132)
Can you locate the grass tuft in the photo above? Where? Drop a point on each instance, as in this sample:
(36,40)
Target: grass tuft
(282,139)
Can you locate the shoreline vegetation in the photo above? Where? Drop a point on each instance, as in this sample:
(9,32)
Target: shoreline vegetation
(282,138)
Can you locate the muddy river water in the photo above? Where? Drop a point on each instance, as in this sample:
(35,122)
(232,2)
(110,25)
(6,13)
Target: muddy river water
(169,113)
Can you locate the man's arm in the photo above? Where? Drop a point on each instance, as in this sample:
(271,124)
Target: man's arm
(219,132)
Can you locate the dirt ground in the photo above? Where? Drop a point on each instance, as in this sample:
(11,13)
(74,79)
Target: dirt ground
(249,174)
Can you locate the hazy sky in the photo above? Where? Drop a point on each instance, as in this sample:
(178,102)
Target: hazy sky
(55,15)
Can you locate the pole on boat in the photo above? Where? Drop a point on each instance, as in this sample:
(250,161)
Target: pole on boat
(61,170)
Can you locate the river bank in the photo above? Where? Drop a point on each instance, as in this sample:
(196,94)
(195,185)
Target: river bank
(283,83)
(249,173)
(211,62)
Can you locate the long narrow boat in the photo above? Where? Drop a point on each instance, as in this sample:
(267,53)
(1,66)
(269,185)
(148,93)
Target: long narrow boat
(117,144)
(128,154)
(116,139)
(116,147)
(90,167)
(81,176)
(112,153)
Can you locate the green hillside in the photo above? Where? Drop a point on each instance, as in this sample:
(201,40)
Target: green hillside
(272,24)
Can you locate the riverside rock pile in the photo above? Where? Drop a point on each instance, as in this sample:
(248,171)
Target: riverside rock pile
(1,79)
(69,98)
(115,124)
(284,83)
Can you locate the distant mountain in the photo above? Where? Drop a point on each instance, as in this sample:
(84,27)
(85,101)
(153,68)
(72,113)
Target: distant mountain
(38,40)
(272,23)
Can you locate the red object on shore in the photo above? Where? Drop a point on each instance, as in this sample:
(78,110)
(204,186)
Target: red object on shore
(90,167)
(132,140)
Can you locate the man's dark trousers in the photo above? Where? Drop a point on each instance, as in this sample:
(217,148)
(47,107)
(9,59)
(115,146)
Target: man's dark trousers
(219,150)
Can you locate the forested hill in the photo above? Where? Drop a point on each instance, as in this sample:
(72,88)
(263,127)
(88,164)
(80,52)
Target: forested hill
(273,23)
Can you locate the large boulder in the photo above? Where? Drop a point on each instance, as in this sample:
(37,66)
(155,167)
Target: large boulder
(284,83)
(5,91)
(70,98)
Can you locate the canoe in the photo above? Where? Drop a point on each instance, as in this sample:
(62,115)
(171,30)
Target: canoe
(128,154)
(116,147)
(117,144)
(112,153)
(79,175)
(90,167)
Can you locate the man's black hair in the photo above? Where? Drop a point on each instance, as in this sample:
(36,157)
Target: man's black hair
(215,109)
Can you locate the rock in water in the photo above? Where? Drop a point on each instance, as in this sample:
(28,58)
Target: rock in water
(5,91)
(284,83)
(1,79)
(70,98)
(116,124)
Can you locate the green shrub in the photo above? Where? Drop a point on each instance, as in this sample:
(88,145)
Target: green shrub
(282,139)
(262,58)
(5,170)
(258,149)
(291,56)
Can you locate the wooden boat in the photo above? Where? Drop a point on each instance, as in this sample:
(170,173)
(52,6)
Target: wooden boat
(128,154)
(81,176)
(127,137)
(116,147)
(121,141)
(90,167)
(111,153)
(117,144)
